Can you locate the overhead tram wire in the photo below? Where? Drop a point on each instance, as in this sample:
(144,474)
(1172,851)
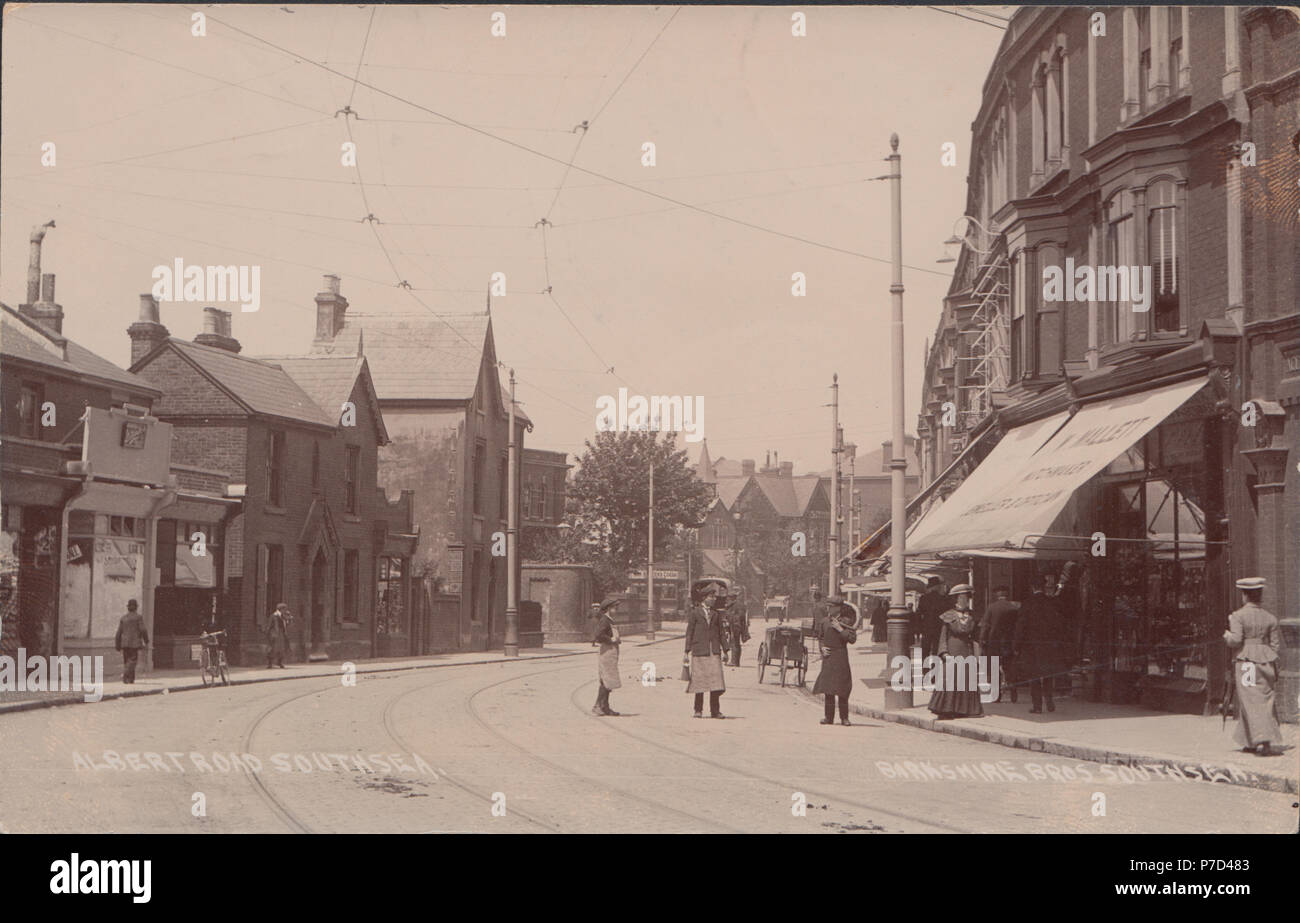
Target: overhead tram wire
(595,173)
(983,22)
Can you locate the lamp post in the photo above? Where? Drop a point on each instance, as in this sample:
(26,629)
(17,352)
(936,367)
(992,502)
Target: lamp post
(650,566)
(851,450)
(512,536)
(735,548)
(833,539)
(900,628)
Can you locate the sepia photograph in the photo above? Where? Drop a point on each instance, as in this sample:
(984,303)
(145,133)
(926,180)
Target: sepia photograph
(649,419)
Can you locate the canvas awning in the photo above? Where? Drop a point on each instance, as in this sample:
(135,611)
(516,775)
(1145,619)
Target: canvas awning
(1013,451)
(1014,504)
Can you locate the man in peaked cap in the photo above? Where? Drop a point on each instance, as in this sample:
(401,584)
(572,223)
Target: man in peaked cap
(1253,632)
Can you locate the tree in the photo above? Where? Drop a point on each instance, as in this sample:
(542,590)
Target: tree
(609,524)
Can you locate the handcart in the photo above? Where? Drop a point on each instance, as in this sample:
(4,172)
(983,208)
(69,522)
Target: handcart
(784,645)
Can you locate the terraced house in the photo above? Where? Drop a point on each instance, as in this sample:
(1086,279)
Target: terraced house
(1162,422)
(297,439)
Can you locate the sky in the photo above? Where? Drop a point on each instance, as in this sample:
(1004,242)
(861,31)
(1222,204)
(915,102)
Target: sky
(226,149)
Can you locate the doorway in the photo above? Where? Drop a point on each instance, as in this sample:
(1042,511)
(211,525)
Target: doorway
(320,601)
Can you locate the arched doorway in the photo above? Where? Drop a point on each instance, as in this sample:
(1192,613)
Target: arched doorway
(321,604)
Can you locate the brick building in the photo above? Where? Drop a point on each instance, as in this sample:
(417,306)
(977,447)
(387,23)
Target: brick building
(298,440)
(543,494)
(1163,139)
(446,413)
(92,495)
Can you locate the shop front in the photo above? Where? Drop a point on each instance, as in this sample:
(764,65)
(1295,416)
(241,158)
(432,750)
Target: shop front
(1122,502)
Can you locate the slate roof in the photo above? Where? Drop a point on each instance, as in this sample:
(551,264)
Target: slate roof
(789,496)
(415,356)
(261,386)
(23,338)
(328,381)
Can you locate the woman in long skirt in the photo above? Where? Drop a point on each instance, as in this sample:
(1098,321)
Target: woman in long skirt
(606,635)
(1254,630)
(836,678)
(957,639)
(277,637)
(704,648)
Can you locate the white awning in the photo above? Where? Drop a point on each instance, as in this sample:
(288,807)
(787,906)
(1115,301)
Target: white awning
(1017,503)
(1015,448)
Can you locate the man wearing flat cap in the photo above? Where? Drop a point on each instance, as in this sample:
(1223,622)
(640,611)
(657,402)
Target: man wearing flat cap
(606,635)
(1253,632)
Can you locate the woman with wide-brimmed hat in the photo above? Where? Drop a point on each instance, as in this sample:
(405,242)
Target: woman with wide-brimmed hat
(957,643)
(704,648)
(1253,634)
(606,635)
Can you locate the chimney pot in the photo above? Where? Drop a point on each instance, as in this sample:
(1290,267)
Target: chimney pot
(331,310)
(149,309)
(212,321)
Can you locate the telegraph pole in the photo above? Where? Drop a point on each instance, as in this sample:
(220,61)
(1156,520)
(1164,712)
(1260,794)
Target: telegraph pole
(833,540)
(650,565)
(512,544)
(900,627)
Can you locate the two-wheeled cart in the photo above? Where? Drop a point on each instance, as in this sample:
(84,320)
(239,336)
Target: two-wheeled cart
(783,645)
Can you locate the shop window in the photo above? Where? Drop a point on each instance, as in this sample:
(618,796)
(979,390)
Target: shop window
(351,580)
(389,592)
(275,461)
(352,463)
(29,409)
(1163,252)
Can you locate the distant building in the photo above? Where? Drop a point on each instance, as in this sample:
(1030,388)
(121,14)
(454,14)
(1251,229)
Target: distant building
(543,493)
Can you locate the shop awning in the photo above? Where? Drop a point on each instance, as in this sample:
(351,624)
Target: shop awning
(1013,451)
(1015,503)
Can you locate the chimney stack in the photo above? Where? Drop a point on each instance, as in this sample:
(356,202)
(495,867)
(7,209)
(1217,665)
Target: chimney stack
(787,469)
(147,333)
(747,467)
(40,305)
(331,309)
(216,331)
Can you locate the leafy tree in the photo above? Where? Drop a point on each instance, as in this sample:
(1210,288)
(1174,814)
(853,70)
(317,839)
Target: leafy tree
(609,524)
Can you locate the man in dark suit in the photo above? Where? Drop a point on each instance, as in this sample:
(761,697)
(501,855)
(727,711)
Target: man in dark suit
(933,604)
(1039,641)
(131,636)
(997,634)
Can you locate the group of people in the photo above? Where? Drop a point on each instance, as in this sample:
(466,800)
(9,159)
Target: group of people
(1030,638)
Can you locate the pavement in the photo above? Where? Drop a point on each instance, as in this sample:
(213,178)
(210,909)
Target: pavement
(164,682)
(1145,740)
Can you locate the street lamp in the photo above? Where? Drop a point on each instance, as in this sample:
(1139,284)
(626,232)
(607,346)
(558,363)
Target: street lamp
(735,547)
(955,241)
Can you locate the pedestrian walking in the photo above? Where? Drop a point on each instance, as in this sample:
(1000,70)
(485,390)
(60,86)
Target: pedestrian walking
(737,623)
(131,637)
(835,681)
(957,640)
(928,618)
(607,636)
(1039,639)
(879,620)
(1253,630)
(997,635)
(277,636)
(704,648)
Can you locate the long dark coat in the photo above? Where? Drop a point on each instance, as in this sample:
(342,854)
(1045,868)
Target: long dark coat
(277,636)
(836,678)
(131,633)
(1041,638)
